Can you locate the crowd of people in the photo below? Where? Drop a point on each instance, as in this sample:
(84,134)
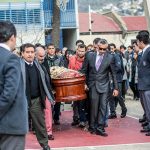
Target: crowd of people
(27,99)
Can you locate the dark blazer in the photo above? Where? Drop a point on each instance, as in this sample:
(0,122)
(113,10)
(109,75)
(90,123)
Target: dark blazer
(119,67)
(99,78)
(144,71)
(13,102)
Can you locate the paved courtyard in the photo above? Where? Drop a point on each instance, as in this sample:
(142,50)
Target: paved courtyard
(124,133)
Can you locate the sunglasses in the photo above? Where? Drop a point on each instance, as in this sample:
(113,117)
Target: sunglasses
(102,49)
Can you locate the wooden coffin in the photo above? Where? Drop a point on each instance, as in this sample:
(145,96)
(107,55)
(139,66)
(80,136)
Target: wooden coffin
(69,89)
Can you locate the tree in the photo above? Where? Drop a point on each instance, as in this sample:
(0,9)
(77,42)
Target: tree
(56,24)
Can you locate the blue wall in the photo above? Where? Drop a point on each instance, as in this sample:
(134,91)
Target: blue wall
(68,17)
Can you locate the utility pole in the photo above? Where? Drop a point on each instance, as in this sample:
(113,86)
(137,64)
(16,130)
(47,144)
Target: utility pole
(147,11)
(90,24)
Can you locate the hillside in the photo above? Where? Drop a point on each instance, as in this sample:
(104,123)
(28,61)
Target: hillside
(122,7)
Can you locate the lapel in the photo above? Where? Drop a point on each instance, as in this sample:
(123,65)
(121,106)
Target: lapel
(23,71)
(94,60)
(144,55)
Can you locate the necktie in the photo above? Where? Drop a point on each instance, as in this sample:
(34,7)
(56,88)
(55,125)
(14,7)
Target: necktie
(98,63)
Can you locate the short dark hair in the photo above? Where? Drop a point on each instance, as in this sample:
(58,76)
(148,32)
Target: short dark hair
(7,29)
(79,41)
(82,46)
(50,44)
(130,46)
(27,45)
(103,41)
(112,44)
(96,40)
(70,52)
(122,46)
(134,42)
(143,36)
(58,50)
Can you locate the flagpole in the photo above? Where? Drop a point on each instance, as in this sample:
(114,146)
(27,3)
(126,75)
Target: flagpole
(90,24)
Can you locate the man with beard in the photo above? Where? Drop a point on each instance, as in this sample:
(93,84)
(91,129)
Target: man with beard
(75,63)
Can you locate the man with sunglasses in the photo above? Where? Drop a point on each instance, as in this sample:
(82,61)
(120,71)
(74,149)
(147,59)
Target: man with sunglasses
(97,66)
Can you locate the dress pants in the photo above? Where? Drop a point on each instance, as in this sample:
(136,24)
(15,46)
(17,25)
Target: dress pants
(142,104)
(48,116)
(12,142)
(75,111)
(119,99)
(98,108)
(79,111)
(145,95)
(38,119)
(57,111)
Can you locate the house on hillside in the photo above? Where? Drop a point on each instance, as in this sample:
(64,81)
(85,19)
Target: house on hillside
(116,29)
(33,20)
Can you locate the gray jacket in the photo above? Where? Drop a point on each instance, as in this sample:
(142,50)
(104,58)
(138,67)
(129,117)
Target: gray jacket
(13,102)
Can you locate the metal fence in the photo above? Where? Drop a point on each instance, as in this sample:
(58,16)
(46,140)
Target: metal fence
(38,15)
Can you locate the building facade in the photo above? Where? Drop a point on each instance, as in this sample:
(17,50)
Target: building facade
(33,20)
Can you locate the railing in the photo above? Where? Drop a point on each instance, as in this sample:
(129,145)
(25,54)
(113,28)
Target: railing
(26,15)
(68,18)
(23,15)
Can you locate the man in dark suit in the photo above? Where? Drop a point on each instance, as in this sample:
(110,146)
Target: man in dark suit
(13,102)
(97,66)
(144,75)
(36,91)
(119,74)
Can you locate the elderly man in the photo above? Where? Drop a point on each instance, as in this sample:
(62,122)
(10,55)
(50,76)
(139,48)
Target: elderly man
(40,55)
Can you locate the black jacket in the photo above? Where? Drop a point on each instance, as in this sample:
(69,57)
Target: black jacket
(100,78)
(144,71)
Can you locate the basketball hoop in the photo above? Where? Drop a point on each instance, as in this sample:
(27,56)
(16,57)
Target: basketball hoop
(62,4)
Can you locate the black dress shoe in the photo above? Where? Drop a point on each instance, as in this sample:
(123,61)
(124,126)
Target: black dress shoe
(112,116)
(144,124)
(142,120)
(74,123)
(147,134)
(105,125)
(46,147)
(145,129)
(92,130)
(50,137)
(101,132)
(123,114)
(82,124)
(56,122)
